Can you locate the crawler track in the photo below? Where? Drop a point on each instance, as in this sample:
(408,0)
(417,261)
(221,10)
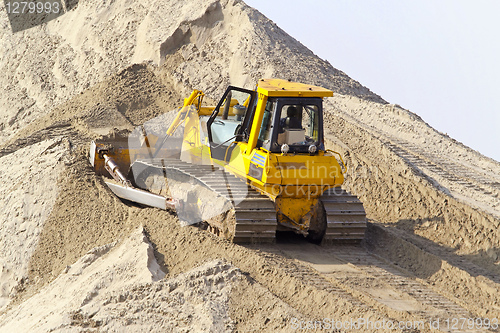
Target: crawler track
(255,214)
(345,216)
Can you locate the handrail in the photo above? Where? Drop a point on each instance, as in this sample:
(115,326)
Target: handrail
(340,156)
(180,117)
(225,154)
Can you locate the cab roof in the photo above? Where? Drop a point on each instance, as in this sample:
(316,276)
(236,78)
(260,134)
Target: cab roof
(285,88)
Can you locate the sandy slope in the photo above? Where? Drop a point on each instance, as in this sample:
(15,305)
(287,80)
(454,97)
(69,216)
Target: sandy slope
(433,202)
(110,288)
(27,198)
(221,42)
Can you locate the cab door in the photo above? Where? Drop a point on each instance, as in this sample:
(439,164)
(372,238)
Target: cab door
(230,121)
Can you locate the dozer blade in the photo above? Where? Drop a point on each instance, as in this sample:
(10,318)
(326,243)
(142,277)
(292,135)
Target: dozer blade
(142,197)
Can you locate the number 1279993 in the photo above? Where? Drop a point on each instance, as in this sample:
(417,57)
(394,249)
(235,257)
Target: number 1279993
(32,7)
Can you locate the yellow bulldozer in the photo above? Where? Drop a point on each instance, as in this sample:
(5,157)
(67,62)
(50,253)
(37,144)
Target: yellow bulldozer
(252,165)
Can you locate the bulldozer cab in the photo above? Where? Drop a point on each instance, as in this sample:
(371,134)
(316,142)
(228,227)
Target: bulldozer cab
(294,124)
(230,121)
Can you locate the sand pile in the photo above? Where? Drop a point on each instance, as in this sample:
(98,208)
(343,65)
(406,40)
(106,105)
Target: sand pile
(112,66)
(29,177)
(215,42)
(110,288)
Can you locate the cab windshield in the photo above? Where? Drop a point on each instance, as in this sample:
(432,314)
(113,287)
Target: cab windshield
(292,121)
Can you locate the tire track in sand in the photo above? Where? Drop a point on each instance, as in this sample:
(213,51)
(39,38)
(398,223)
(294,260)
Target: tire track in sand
(368,281)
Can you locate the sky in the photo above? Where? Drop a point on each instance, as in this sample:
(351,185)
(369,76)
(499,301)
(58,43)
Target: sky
(438,59)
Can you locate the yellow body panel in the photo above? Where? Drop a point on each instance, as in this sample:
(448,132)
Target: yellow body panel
(192,147)
(257,120)
(278,87)
(295,212)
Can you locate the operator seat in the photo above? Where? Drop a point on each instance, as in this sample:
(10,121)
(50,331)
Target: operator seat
(292,118)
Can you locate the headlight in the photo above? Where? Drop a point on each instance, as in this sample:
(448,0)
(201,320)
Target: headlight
(285,148)
(312,149)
